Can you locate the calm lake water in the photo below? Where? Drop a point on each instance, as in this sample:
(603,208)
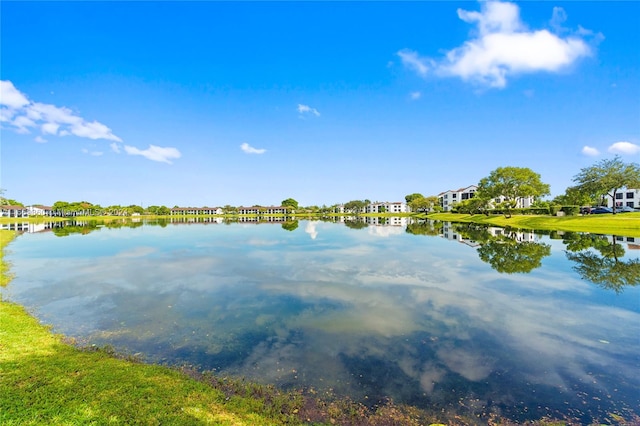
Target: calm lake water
(470,320)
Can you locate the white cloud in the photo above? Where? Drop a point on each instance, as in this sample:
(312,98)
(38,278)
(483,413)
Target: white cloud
(590,151)
(306,109)
(21,114)
(311,229)
(154,153)
(558,18)
(50,128)
(411,60)
(624,148)
(502,47)
(415,95)
(92,153)
(22,123)
(10,96)
(251,150)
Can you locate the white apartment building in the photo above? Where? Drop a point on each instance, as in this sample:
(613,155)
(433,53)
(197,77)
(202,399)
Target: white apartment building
(387,207)
(626,197)
(451,197)
(521,202)
(181,211)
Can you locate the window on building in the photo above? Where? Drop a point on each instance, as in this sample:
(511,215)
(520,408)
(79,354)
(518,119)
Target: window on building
(619,196)
(629,203)
(629,194)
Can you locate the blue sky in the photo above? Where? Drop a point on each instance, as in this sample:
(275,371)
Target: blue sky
(242,103)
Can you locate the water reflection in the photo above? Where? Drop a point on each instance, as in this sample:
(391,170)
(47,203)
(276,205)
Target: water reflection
(371,313)
(598,259)
(506,250)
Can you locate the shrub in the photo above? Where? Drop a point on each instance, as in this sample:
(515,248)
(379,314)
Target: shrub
(571,210)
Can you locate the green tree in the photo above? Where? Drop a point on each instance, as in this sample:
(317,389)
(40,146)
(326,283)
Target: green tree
(355,206)
(423,204)
(158,210)
(410,197)
(134,209)
(511,183)
(289,202)
(507,255)
(607,177)
(574,197)
(477,204)
(290,225)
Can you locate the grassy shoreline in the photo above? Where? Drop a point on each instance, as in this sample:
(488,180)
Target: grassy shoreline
(626,224)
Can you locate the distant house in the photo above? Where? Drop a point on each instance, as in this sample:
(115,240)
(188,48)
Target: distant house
(14,211)
(39,210)
(448,199)
(204,211)
(263,210)
(387,207)
(626,197)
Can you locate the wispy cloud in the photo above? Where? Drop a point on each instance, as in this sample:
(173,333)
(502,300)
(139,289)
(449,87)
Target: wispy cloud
(21,114)
(245,147)
(155,153)
(590,151)
(623,147)
(92,153)
(502,46)
(415,96)
(307,110)
(413,61)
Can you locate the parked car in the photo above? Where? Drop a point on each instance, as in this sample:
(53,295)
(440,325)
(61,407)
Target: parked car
(601,210)
(585,210)
(625,209)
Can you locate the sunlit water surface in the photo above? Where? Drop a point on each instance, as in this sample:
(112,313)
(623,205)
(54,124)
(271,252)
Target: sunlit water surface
(370,313)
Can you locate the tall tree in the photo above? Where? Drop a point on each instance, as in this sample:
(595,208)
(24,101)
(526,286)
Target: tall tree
(355,206)
(423,203)
(410,197)
(512,183)
(573,196)
(289,202)
(607,177)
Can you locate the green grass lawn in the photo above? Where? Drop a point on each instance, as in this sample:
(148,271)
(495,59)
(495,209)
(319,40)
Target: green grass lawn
(626,224)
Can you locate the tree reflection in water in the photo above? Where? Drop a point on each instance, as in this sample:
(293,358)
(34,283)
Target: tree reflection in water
(598,260)
(508,252)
